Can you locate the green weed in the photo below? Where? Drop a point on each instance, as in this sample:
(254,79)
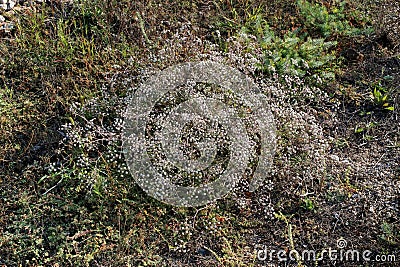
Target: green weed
(380,96)
(330,21)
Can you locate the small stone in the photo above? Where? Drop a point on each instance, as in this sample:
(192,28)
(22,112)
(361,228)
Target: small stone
(335,157)
(203,252)
(2,19)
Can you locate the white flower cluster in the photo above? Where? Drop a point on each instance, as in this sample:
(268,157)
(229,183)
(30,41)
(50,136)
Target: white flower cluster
(94,130)
(92,139)
(302,143)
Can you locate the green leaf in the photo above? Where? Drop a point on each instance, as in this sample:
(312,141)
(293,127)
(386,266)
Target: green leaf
(359,130)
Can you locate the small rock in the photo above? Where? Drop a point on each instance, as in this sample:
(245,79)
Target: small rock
(204,252)
(335,157)
(2,19)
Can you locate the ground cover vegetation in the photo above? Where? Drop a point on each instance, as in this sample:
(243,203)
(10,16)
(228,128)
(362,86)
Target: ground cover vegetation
(330,69)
